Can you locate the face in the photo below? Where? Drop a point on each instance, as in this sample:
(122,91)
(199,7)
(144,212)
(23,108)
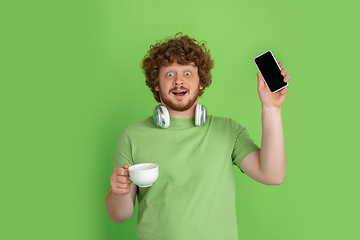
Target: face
(179,86)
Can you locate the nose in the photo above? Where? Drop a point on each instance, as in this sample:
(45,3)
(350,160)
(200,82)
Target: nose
(178,80)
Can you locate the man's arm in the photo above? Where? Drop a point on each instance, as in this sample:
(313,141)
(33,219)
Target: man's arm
(120,200)
(268,165)
(120,207)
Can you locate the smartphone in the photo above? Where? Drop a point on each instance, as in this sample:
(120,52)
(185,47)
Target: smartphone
(271,71)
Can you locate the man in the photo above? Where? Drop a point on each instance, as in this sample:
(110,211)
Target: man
(194,195)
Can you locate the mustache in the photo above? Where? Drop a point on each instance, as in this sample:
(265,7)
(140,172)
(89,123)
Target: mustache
(179,88)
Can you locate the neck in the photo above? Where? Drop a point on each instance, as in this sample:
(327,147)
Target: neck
(190,113)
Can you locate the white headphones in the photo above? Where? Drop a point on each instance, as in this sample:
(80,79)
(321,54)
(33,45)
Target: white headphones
(162,117)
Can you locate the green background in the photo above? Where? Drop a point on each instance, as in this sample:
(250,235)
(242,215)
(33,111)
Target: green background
(71,81)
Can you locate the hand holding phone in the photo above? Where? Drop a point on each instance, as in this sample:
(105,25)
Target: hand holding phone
(271,71)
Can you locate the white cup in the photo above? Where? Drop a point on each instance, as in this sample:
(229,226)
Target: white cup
(144,174)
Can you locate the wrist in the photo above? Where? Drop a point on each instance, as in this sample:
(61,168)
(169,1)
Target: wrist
(272,109)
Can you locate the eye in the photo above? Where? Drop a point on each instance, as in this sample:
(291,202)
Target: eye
(170,74)
(187,73)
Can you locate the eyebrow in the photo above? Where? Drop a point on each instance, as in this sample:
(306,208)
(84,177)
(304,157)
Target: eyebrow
(189,65)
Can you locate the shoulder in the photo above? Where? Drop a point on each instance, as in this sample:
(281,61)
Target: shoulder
(147,122)
(226,122)
(146,126)
(225,125)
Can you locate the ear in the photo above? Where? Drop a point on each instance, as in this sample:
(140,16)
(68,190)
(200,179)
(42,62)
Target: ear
(201,87)
(156,88)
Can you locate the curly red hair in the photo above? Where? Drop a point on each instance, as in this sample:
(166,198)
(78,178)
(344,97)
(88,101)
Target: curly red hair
(184,50)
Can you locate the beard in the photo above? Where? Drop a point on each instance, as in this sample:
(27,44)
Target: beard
(179,105)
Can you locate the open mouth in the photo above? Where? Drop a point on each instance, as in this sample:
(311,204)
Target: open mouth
(179,93)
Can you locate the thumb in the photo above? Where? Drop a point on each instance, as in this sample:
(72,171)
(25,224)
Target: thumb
(127,165)
(261,83)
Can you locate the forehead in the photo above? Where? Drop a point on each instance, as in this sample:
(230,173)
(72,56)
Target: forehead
(176,65)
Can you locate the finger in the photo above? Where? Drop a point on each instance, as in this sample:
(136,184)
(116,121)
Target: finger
(283,71)
(124,172)
(261,82)
(127,165)
(114,179)
(260,79)
(123,179)
(119,171)
(121,191)
(116,186)
(122,185)
(280,64)
(284,90)
(286,78)
(116,171)
(126,190)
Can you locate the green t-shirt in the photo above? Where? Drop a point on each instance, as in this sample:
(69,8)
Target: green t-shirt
(194,195)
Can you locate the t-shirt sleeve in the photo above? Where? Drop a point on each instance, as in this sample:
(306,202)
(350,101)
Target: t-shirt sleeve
(123,152)
(243,146)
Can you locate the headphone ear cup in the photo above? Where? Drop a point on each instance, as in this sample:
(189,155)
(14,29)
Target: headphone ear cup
(200,115)
(166,117)
(161,116)
(197,115)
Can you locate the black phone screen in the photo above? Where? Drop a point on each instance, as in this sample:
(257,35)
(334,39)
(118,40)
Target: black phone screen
(270,71)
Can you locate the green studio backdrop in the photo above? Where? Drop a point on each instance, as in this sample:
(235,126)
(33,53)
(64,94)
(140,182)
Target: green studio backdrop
(71,82)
